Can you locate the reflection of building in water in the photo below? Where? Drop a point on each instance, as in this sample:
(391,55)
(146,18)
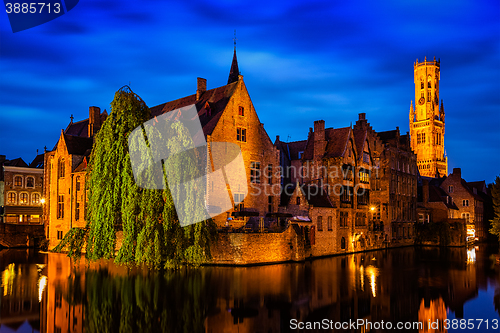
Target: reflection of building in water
(21,290)
(65,310)
(432,316)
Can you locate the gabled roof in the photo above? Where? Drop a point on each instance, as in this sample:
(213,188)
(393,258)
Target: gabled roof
(480,186)
(77,145)
(359,140)
(17,162)
(292,149)
(338,139)
(437,194)
(81,128)
(37,162)
(217,98)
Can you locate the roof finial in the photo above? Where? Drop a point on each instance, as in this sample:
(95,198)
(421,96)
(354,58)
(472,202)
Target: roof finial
(71,119)
(235,39)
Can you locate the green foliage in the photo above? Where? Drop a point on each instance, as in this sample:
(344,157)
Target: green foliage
(495,195)
(151,231)
(73,242)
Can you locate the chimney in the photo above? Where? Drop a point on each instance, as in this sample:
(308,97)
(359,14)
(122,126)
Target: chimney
(362,116)
(201,87)
(94,120)
(319,130)
(277,138)
(457,172)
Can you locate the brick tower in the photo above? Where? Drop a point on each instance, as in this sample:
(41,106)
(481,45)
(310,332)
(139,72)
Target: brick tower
(427,120)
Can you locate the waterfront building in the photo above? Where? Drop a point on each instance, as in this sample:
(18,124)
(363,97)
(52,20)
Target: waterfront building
(65,175)
(469,202)
(22,189)
(427,120)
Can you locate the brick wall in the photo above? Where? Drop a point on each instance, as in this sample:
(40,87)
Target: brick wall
(12,235)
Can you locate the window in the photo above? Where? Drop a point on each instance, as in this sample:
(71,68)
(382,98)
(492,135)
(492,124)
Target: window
(466,216)
(347,172)
(364,176)
(465,203)
(320,223)
(344,217)
(59,234)
(23,198)
(255,172)
(342,243)
(270,174)
(60,206)
(330,223)
(30,182)
(238,201)
(346,195)
(270,204)
(363,196)
(422,85)
(366,157)
(77,183)
(428,96)
(77,211)
(18,181)
(11,198)
(360,219)
(35,198)
(241,134)
(298,200)
(423,137)
(450,189)
(241,111)
(60,168)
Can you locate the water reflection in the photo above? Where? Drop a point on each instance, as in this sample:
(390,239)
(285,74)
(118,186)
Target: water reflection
(399,285)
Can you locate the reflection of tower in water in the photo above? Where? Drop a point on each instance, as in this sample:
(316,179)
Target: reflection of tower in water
(432,316)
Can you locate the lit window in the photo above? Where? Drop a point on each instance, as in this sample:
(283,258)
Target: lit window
(466,216)
(18,181)
(35,198)
(255,172)
(11,198)
(238,201)
(30,182)
(23,198)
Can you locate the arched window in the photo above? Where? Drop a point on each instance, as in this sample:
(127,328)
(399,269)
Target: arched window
(60,168)
(429,80)
(35,198)
(11,198)
(23,198)
(342,243)
(422,85)
(30,181)
(18,181)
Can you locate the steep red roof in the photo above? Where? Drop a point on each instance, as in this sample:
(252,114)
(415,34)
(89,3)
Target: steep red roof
(77,145)
(337,141)
(217,99)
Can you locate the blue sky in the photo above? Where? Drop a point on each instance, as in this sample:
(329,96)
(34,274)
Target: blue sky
(301,61)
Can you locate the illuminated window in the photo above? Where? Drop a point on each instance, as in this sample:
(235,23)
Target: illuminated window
(238,201)
(466,216)
(18,181)
(23,198)
(11,198)
(35,198)
(30,182)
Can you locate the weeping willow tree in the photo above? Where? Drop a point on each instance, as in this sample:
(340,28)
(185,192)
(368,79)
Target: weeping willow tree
(151,230)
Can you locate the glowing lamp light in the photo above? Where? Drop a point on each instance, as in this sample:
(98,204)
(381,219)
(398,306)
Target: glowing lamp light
(372,208)
(42,200)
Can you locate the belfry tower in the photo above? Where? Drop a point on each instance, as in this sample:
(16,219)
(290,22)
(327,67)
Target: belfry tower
(427,120)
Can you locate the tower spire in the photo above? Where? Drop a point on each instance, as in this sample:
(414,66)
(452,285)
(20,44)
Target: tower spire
(234,72)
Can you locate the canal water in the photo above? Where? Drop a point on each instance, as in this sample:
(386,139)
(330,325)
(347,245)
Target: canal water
(435,286)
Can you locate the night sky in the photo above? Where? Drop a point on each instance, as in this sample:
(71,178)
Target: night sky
(301,61)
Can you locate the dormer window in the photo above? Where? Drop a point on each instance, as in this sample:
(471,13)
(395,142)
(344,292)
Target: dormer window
(241,111)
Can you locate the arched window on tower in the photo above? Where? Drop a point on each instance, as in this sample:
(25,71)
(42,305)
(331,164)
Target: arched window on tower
(422,85)
(60,168)
(429,80)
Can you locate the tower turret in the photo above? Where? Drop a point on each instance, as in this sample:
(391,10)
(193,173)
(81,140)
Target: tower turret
(427,120)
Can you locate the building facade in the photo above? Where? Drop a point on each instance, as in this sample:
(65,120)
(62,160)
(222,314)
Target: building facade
(22,192)
(427,120)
